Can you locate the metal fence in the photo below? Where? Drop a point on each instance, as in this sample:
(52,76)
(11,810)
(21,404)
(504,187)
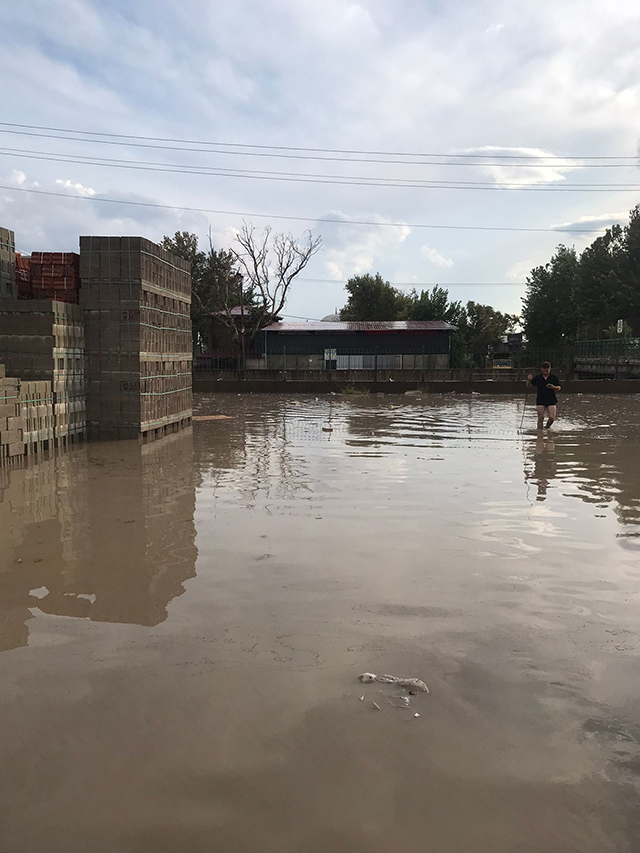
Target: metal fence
(610,348)
(368,366)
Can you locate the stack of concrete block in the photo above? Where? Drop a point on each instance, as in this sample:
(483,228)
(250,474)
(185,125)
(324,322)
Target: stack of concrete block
(44,342)
(37,411)
(137,301)
(7,264)
(12,444)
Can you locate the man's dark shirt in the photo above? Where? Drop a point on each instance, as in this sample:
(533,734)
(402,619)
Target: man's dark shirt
(546,396)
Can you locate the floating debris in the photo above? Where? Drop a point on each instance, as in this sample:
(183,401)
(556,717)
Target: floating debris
(212,418)
(402,703)
(408,683)
(376,706)
(40,592)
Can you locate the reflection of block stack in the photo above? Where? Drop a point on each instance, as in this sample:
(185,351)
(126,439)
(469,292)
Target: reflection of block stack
(55,275)
(11,422)
(136,300)
(7,264)
(43,343)
(37,410)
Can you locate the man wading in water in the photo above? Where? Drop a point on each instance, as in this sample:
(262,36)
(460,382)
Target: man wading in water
(546,383)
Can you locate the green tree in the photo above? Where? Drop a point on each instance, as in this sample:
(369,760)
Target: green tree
(599,282)
(484,327)
(549,314)
(373,298)
(215,280)
(612,333)
(630,297)
(434,305)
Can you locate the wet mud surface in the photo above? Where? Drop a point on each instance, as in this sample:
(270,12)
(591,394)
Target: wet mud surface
(182,625)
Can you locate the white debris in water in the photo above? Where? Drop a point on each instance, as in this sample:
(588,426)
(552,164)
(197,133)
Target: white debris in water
(408,683)
(40,592)
(88,597)
(376,706)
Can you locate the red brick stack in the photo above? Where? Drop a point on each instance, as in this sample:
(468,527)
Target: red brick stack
(55,276)
(23,277)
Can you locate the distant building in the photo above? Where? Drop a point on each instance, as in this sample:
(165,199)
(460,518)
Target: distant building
(422,344)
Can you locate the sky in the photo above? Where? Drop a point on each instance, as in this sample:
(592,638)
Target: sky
(553,84)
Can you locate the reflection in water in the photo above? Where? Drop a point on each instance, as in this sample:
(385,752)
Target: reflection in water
(253,451)
(402,541)
(544,467)
(595,459)
(104,532)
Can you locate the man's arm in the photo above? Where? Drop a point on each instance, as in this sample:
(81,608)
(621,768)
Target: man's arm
(555,387)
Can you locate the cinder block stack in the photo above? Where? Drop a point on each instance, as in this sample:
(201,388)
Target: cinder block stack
(12,445)
(37,411)
(43,342)
(56,276)
(7,264)
(136,300)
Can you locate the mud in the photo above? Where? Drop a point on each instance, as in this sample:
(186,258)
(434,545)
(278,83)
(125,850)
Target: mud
(182,625)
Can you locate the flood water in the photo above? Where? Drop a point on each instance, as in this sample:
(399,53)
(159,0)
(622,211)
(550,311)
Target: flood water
(182,625)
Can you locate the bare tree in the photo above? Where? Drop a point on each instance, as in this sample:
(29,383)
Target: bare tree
(268,266)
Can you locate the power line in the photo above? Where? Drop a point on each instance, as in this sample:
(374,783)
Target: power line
(294,317)
(316,150)
(556,162)
(346,180)
(327,219)
(444,285)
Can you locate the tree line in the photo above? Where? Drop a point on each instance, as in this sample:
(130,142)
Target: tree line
(258,271)
(582,296)
(574,296)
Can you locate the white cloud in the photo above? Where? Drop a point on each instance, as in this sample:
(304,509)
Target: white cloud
(492,29)
(598,220)
(434,256)
(520,270)
(77,188)
(355,249)
(16,177)
(519,166)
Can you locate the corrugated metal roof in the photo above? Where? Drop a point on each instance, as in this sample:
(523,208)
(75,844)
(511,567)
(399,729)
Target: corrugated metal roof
(368,326)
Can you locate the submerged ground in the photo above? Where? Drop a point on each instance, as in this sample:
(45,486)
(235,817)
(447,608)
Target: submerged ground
(182,625)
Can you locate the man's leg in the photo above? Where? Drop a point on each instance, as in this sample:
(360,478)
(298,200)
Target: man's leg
(552,415)
(540,416)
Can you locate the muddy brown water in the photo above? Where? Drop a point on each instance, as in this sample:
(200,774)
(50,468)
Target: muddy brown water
(182,624)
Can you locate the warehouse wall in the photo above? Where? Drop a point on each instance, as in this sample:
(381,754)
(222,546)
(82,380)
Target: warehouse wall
(358,342)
